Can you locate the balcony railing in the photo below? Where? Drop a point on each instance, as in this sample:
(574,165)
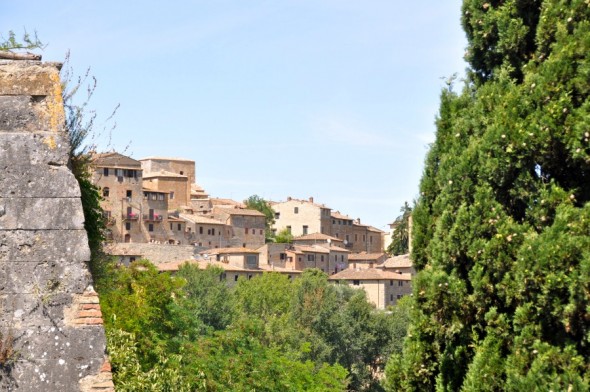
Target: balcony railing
(131,216)
(153,218)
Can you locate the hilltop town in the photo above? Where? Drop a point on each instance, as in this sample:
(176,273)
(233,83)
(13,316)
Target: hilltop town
(155,209)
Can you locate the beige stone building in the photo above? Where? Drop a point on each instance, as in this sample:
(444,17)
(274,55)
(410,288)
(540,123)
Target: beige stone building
(206,232)
(304,217)
(383,288)
(366,260)
(301,217)
(119,179)
(236,263)
(318,239)
(401,264)
(135,211)
(247,226)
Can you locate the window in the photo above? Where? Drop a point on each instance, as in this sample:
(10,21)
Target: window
(333,221)
(390,297)
(105,171)
(391,282)
(171,195)
(399,296)
(208,231)
(119,172)
(127,225)
(179,227)
(321,257)
(129,193)
(222,276)
(310,257)
(342,258)
(335,257)
(105,192)
(277,215)
(154,196)
(236,278)
(243,245)
(151,227)
(246,230)
(356,282)
(200,229)
(283,256)
(289,229)
(249,276)
(212,231)
(251,261)
(400,283)
(170,225)
(296,210)
(260,231)
(160,196)
(347,239)
(305,228)
(181,173)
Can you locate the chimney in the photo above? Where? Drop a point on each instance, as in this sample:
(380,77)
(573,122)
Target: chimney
(288,198)
(311,199)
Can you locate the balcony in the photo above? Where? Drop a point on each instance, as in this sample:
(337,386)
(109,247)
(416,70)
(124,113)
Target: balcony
(131,216)
(152,218)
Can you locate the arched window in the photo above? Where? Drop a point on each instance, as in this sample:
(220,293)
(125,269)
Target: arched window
(105,192)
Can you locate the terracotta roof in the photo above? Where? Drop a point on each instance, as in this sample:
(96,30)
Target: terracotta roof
(374,229)
(401,261)
(116,160)
(174,219)
(163,173)
(193,218)
(166,159)
(216,201)
(311,249)
(228,251)
(301,201)
(365,256)
(338,215)
(202,264)
(145,188)
(335,248)
(317,237)
(239,211)
(369,274)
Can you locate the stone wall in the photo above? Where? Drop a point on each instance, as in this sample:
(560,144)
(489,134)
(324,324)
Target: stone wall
(51,332)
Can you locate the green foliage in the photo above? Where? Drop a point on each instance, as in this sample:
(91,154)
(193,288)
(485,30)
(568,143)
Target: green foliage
(400,240)
(267,333)
(501,229)
(26,42)
(284,237)
(128,374)
(257,203)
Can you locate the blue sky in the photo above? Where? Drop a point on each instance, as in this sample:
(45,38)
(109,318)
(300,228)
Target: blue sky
(323,98)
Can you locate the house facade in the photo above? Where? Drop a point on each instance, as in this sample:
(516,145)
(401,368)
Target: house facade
(383,288)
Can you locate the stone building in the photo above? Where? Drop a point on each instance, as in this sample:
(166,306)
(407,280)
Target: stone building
(206,232)
(301,217)
(383,288)
(401,264)
(119,179)
(247,226)
(136,211)
(366,260)
(176,186)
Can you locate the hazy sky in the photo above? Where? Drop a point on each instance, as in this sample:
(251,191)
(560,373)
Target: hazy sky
(324,98)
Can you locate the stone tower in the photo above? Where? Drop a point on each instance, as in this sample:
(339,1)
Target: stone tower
(51,332)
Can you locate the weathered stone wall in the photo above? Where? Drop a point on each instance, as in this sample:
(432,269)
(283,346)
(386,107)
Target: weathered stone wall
(52,337)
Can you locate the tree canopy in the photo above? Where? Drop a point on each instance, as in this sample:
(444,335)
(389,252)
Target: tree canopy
(257,203)
(400,239)
(501,229)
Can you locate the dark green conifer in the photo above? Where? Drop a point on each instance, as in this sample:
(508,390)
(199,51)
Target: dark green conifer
(502,227)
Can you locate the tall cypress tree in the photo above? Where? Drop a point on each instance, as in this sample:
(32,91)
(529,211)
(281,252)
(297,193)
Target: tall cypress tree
(502,227)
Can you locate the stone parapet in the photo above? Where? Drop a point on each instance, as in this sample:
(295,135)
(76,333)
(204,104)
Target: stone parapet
(51,331)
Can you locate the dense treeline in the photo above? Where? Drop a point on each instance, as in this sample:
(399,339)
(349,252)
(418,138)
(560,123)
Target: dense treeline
(502,226)
(191,332)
